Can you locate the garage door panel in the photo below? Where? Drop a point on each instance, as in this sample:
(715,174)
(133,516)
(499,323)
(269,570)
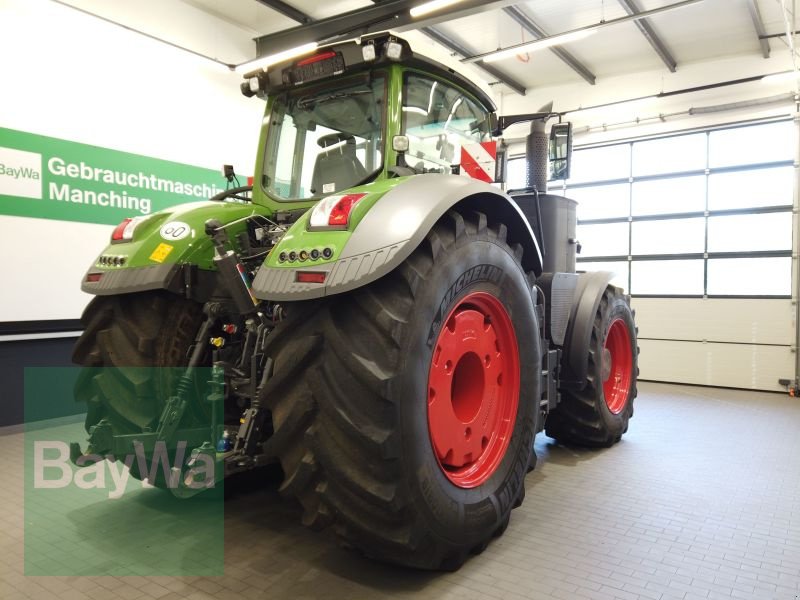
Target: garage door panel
(747,366)
(758,321)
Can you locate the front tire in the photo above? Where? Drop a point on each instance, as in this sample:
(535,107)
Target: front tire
(355,390)
(598,414)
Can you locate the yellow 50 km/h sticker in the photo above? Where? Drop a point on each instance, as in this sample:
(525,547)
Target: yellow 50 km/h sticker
(161,252)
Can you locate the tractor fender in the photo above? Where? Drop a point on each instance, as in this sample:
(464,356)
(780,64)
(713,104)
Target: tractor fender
(393,228)
(155,259)
(586,299)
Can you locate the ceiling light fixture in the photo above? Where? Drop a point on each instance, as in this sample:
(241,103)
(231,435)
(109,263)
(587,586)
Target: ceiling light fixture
(266,61)
(552,40)
(429,7)
(567,36)
(785,77)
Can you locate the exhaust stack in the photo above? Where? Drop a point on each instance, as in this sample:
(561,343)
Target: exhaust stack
(536,145)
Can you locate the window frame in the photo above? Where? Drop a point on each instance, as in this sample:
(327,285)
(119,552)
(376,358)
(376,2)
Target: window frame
(271,141)
(564,188)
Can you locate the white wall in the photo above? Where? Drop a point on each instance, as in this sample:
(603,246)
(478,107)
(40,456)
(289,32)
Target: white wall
(69,75)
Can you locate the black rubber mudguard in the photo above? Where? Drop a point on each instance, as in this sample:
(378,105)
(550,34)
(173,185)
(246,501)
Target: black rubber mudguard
(588,293)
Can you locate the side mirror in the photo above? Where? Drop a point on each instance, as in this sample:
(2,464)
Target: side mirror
(560,150)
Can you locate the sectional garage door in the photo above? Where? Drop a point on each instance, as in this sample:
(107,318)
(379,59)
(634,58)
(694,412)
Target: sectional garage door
(698,227)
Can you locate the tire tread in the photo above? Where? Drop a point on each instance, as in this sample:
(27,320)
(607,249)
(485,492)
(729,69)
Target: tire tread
(341,461)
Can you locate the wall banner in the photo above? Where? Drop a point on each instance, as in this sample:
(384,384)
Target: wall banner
(50,178)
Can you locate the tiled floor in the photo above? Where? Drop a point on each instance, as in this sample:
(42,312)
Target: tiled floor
(700,500)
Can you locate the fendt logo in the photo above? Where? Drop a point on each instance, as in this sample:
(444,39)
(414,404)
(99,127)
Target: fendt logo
(20,173)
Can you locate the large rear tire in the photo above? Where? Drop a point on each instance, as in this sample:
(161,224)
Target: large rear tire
(413,460)
(598,414)
(125,338)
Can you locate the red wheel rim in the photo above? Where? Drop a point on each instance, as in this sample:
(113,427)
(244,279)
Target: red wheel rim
(473,389)
(617,366)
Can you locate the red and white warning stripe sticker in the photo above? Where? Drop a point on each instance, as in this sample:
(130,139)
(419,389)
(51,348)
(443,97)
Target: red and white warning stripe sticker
(479,161)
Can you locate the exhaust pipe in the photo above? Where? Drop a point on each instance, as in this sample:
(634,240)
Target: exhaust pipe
(536,144)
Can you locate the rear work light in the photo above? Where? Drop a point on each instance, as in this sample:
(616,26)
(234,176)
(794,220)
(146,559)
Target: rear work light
(333,212)
(124,231)
(310,276)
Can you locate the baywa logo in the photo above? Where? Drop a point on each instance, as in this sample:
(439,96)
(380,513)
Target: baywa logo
(198,473)
(20,173)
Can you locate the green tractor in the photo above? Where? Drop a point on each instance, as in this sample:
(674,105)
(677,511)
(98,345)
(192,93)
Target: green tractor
(380,319)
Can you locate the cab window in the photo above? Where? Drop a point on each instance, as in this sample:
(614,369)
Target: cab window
(324,140)
(438,119)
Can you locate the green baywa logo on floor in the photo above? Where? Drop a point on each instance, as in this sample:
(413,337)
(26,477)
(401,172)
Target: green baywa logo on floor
(198,475)
(20,173)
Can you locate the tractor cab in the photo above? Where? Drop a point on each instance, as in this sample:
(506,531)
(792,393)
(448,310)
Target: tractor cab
(353,113)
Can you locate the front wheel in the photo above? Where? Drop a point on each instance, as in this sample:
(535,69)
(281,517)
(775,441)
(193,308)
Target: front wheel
(404,412)
(598,414)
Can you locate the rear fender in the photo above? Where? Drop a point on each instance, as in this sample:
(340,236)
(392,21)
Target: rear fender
(163,248)
(586,299)
(394,226)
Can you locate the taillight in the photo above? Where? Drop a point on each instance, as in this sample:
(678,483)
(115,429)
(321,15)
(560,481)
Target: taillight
(124,231)
(333,211)
(310,276)
(119,230)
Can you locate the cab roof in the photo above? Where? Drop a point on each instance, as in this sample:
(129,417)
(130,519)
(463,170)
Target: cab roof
(331,61)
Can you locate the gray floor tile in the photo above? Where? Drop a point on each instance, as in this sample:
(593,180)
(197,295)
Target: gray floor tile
(700,501)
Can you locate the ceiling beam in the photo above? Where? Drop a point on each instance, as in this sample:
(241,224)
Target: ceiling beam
(650,35)
(442,38)
(536,31)
(287,10)
(587,29)
(758,24)
(431,32)
(770,36)
(390,14)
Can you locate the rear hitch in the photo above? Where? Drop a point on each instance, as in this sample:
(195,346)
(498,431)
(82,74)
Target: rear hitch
(212,448)
(77,456)
(101,439)
(188,482)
